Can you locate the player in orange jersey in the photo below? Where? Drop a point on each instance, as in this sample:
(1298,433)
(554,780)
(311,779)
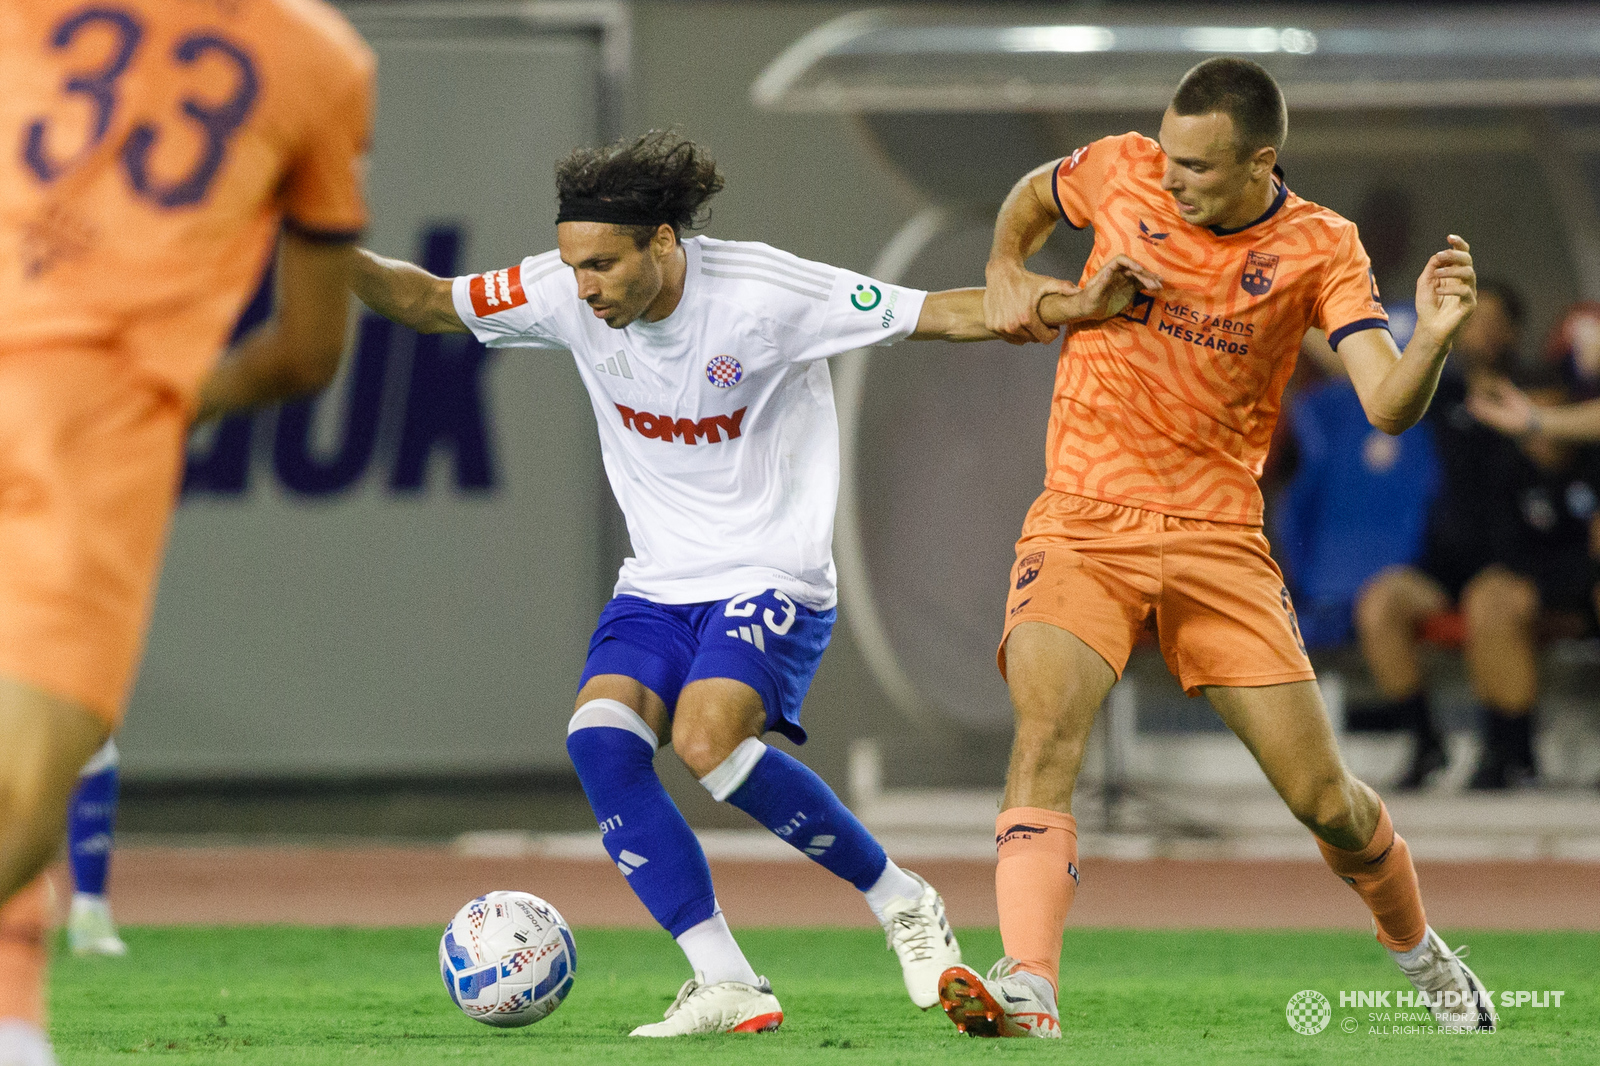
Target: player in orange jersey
(149,151)
(1160,423)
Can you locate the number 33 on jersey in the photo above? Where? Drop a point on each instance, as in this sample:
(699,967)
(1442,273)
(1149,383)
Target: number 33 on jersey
(134,132)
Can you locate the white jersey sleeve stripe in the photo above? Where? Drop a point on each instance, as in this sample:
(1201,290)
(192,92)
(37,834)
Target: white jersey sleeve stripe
(821,281)
(811,294)
(797,267)
(554,268)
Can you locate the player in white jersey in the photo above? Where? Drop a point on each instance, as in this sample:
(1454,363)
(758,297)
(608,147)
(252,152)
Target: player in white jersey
(705,363)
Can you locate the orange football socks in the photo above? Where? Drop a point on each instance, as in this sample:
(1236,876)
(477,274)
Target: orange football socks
(1382,875)
(1034,882)
(24,924)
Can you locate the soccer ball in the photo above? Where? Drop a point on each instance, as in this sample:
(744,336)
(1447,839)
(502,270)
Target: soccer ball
(507,959)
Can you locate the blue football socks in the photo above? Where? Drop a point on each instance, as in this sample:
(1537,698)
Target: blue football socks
(90,821)
(642,829)
(786,796)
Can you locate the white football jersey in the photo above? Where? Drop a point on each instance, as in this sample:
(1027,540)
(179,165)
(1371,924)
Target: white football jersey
(717,424)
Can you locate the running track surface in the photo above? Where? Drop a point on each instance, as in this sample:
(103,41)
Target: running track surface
(382,886)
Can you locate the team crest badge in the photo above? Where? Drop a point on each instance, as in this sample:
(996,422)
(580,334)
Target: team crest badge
(1259,268)
(724,371)
(1028,569)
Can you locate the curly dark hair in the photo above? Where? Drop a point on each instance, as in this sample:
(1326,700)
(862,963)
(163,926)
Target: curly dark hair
(660,174)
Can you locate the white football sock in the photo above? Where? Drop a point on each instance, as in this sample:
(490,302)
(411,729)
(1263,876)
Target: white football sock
(714,954)
(1410,958)
(894,883)
(24,1044)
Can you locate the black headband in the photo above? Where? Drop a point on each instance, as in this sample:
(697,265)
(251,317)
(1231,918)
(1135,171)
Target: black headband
(618,214)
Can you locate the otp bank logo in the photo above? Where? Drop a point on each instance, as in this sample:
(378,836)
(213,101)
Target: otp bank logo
(496,291)
(866,297)
(665,427)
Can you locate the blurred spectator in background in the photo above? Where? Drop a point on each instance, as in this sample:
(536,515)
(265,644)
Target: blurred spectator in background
(1392,607)
(1357,501)
(1574,347)
(1543,583)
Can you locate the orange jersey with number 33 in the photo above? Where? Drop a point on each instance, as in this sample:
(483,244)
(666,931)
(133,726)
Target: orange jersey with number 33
(1170,406)
(149,150)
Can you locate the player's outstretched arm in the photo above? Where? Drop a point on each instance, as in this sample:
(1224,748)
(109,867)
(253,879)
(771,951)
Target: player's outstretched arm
(1502,406)
(297,350)
(405,294)
(958,314)
(1012,292)
(953,315)
(1396,387)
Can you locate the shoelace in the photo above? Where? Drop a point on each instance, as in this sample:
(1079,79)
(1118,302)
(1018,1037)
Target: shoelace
(1002,967)
(1435,974)
(910,929)
(690,987)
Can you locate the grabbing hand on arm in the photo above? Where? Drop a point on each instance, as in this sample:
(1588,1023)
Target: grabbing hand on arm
(1106,295)
(958,314)
(297,350)
(405,294)
(1012,292)
(1500,405)
(1396,387)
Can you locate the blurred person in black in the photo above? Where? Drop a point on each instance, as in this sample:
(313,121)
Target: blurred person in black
(1391,608)
(1545,528)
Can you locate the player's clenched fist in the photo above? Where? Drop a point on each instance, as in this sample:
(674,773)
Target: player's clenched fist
(1447,291)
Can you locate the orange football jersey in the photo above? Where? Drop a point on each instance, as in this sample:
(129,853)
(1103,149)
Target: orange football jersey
(149,150)
(1170,406)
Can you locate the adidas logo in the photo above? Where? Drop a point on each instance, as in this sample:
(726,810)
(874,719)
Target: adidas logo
(752,635)
(820,843)
(628,862)
(616,366)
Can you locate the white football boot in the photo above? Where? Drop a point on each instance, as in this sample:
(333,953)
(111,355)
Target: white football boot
(725,1007)
(24,1044)
(90,930)
(1009,1002)
(919,933)
(1456,996)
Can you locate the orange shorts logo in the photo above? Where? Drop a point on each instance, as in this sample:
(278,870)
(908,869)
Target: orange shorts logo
(1028,569)
(496,291)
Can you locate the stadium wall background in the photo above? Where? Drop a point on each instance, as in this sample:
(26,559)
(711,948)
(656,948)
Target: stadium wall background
(402,580)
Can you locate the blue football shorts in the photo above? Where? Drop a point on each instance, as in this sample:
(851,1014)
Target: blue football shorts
(763,639)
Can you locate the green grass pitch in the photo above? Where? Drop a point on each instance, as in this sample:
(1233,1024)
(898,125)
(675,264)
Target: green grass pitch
(290,996)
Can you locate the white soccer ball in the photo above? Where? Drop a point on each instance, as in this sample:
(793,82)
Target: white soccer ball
(507,959)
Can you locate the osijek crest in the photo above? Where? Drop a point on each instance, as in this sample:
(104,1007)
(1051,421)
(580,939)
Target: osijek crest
(1259,270)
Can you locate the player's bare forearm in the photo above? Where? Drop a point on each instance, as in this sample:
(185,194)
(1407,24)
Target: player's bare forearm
(953,315)
(259,372)
(1395,393)
(1395,388)
(406,294)
(296,351)
(1012,293)
(1026,219)
(1107,293)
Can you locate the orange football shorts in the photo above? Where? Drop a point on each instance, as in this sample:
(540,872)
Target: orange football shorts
(90,459)
(1098,570)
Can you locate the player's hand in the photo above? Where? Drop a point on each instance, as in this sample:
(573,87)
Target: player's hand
(1113,288)
(1011,298)
(1500,405)
(1447,292)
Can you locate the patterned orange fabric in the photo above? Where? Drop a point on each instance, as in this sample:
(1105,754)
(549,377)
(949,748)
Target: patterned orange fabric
(148,151)
(1170,406)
